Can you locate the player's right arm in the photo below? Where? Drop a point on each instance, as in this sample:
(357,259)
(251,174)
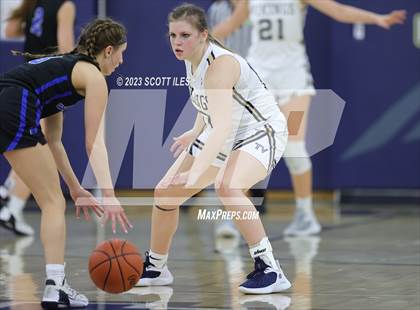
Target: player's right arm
(239,16)
(184,140)
(219,81)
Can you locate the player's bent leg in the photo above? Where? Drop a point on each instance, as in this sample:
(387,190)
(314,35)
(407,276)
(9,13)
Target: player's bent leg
(299,164)
(168,198)
(267,276)
(41,176)
(297,160)
(165,216)
(231,185)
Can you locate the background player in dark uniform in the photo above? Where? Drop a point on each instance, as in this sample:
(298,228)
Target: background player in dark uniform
(47,26)
(43,88)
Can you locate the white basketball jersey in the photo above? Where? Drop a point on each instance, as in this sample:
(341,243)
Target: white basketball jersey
(253,105)
(277,33)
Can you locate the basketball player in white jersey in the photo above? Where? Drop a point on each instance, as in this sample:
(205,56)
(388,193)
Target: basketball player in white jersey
(278,54)
(238,42)
(238,137)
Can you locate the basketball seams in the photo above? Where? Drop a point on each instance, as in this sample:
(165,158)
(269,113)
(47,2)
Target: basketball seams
(107,275)
(103,252)
(123,256)
(111,258)
(102,262)
(109,280)
(129,264)
(119,266)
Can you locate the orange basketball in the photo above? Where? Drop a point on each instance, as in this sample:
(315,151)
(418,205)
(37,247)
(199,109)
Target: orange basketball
(115,266)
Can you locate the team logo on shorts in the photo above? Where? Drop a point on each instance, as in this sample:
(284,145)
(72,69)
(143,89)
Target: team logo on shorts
(260,146)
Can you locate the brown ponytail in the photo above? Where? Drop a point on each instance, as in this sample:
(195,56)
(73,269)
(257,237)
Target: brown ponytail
(99,34)
(96,36)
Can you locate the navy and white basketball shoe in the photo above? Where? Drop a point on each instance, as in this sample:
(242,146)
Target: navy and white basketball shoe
(154,276)
(264,280)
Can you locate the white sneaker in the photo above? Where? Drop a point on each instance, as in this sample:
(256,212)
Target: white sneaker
(153,276)
(226,229)
(57,296)
(15,222)
(303,224)
(265,280)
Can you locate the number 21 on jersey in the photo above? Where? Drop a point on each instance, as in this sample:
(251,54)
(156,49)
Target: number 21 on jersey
(270,29)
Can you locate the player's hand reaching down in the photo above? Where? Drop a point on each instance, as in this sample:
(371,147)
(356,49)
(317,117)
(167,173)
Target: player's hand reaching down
(85,200)
(109,208)
(187,179)
(182,142)
(388,20)
(114,212)
(180,179)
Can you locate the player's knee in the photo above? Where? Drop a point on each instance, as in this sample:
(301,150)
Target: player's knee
(165,208)
(52,201)
(297,158)
(225,190)
(159,195)
(159,192)
(166,198)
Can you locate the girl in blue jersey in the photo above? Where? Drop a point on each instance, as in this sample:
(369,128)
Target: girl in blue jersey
(47,26)
(44,88)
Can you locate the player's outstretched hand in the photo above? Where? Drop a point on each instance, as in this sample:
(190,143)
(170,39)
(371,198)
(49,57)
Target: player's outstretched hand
(84,200)
(182,142)
(388,20)
(114,212)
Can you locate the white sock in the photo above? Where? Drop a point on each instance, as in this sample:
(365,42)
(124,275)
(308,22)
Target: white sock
(16,204)
(264,250)
(55,272)
(4,192)
(9,184)
(304,204)
(158,260)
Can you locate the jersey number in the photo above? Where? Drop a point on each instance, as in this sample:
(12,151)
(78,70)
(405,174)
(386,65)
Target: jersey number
(37,21)
(266,29)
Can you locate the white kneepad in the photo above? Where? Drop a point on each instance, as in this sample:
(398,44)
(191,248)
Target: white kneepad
(297,158)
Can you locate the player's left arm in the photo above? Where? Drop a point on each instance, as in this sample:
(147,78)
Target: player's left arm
(350,14)
(219,81)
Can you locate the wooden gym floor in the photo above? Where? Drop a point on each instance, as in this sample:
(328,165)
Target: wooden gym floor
(367,257)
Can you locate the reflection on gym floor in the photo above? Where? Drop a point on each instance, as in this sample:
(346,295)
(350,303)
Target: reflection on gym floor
(360,261)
